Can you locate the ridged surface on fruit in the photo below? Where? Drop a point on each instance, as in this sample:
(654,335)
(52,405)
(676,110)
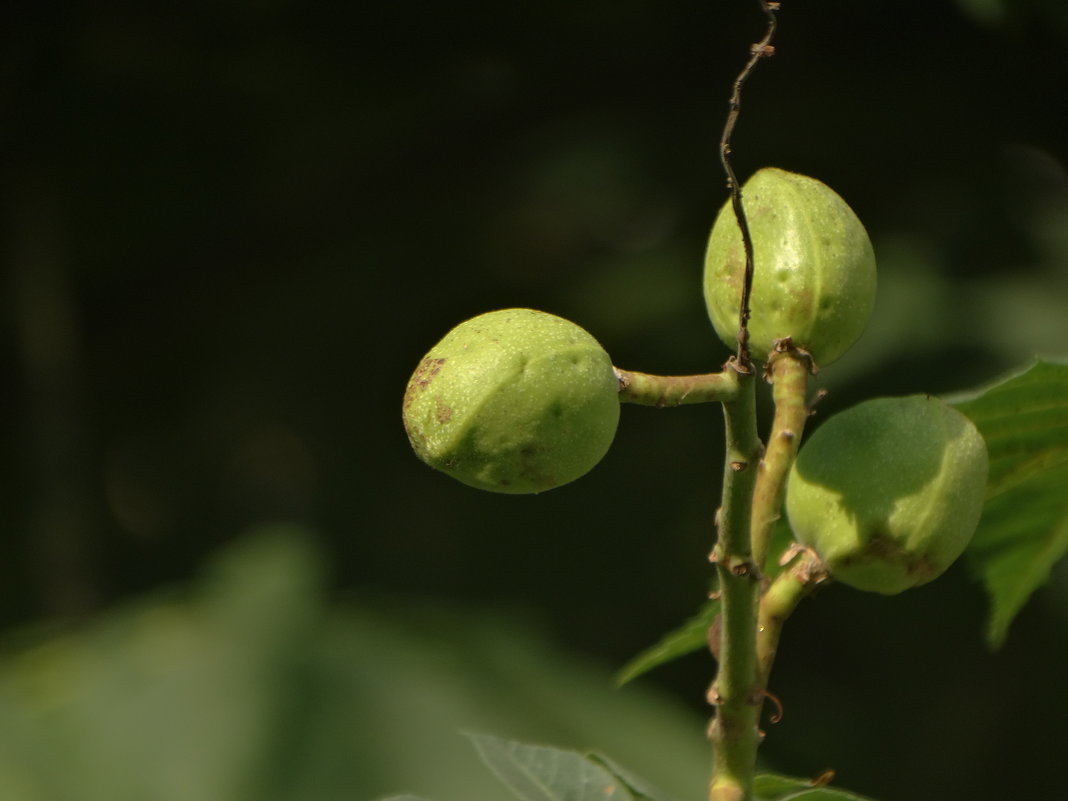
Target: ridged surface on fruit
(889,492)
(814,268)
(513,401)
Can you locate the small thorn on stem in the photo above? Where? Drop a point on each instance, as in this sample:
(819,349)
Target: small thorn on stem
(777,714)
(742,568)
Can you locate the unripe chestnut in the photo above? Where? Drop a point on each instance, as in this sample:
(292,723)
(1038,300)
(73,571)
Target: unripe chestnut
(889,492)
(814,268)
(513,401)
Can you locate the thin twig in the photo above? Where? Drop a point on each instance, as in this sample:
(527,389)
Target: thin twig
(802,573)
(762,49)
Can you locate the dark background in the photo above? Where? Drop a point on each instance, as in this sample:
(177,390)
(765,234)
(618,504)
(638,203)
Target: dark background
(233,228)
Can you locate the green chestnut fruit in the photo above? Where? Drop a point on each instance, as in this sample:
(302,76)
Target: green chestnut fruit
(813,268)
(513,401)
(889,492)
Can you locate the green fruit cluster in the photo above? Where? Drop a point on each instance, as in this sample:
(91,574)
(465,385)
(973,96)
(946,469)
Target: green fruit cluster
(814,268)
(513,401)
(889,492)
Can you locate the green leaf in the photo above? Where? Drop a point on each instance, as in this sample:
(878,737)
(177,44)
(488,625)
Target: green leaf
(638,787)
(403,798)
(1024,528)
(771,787)
(687,638)
(541,773)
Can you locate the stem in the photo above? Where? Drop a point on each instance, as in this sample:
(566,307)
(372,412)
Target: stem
(736,691)
(675,390)
(779,602)
(788,370)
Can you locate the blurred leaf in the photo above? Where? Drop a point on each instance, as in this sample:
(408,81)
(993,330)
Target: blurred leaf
(453,672)
(249,688)
(1024,528)
(164,700)
(404,798)
(770,787)
(639,787)
(689,637)
(541,773)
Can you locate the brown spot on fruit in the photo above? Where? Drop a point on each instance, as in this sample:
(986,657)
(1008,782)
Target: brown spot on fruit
(428,369)
(420,381)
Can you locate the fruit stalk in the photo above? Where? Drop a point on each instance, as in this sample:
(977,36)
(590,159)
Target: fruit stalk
(803,573)
(675,390)
(735,692)
(788,370)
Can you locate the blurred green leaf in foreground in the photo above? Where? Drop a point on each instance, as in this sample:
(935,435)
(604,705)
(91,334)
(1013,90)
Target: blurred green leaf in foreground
(251,686)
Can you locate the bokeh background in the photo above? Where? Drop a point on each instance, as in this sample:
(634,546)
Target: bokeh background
(231,229)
